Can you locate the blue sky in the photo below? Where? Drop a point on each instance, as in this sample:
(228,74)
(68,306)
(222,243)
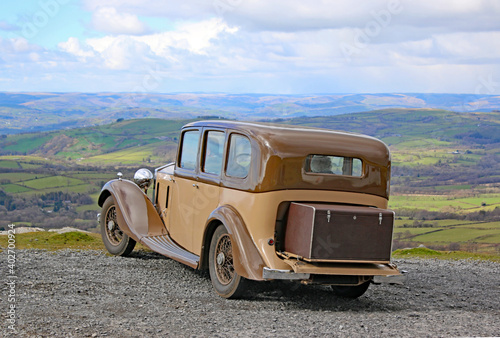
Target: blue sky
(250,46)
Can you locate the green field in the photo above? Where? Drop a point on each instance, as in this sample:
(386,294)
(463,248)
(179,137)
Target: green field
(436,156)
(446,203)
(37,181)
(129,156)
(53,182)
(457,235)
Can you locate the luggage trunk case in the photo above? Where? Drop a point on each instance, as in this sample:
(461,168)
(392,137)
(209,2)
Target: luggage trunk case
(326,232)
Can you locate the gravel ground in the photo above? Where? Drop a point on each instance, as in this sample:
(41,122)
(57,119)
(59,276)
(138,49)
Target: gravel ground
(89,294)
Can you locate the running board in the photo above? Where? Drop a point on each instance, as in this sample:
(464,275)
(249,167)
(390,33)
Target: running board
(166,246)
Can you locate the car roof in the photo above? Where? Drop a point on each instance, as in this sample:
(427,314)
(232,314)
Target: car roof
(290,141)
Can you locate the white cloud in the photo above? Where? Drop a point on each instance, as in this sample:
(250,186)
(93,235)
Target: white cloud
(109,20)
(17,47)
(122,52)
(275,46)
(171,9)
(72,46)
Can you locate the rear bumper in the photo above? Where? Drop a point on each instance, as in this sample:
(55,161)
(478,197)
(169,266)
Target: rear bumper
(283,274)
(394,279)
(381,273)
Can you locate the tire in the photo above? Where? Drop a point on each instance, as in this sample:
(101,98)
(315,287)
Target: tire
(350,291)
(225,280)
(116,242)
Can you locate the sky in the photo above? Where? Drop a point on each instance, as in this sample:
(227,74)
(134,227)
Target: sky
(250,46)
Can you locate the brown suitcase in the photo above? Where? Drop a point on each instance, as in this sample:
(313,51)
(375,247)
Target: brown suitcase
(325,232)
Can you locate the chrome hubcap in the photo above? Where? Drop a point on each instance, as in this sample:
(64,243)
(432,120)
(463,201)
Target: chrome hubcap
(220,258)
(113,232)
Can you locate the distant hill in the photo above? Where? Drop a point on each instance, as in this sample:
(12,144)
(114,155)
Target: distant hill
(36,112)
(152,135)
(445,166)
(131,141)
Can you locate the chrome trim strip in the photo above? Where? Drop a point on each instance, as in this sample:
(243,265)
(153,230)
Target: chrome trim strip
(283,274)
(394,279)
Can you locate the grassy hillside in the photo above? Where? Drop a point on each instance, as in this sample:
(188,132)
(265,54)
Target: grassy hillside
(92,241)
(445,185)
(37,112)
(433,151)
(78,144)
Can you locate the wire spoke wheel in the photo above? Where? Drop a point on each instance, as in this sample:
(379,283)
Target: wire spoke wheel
(225,280)
(114,239)
(113,232)
(224,260)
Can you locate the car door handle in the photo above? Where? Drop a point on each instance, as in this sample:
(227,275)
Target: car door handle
(195,185)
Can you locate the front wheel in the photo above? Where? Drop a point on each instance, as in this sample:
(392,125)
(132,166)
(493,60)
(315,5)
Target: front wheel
(225,280)
(116,242)
(350,291)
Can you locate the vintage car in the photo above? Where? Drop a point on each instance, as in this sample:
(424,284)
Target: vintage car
(255,201)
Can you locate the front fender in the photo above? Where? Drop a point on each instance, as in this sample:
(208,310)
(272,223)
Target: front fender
(247,260)
(135,213)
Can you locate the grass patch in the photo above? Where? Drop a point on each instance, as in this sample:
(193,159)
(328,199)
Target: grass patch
(20,176)
(71,237)
(459,235)
(413,231)
(445,202)
(14,188)
(53,241)
(448,255)
(53,181)
(8,164)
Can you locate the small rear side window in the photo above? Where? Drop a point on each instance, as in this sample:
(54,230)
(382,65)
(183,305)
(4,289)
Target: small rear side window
(336,165)
(238,162)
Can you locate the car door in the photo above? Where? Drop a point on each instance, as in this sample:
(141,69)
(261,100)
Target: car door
(183,192)
(196,191)
(206,197)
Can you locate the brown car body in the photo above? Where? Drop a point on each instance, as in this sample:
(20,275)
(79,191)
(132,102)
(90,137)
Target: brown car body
(284,219)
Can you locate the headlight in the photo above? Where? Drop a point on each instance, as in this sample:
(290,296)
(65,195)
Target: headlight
(143,178)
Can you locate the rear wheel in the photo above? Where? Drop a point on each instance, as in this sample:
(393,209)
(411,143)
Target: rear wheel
(350,291)
(115,241)
(225,280)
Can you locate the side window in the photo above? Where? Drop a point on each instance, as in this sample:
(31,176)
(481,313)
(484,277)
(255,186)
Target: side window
(240,151)
(214,148)
(189,149)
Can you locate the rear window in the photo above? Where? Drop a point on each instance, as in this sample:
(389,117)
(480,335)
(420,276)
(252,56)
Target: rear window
(336,165)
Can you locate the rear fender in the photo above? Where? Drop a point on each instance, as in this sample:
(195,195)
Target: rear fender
(135,213)
(247,260)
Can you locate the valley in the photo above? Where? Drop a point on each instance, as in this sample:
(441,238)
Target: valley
(445,185)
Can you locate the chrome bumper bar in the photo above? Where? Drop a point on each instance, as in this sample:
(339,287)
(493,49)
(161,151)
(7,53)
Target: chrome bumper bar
(290,275)
(394,279)
(283,274)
